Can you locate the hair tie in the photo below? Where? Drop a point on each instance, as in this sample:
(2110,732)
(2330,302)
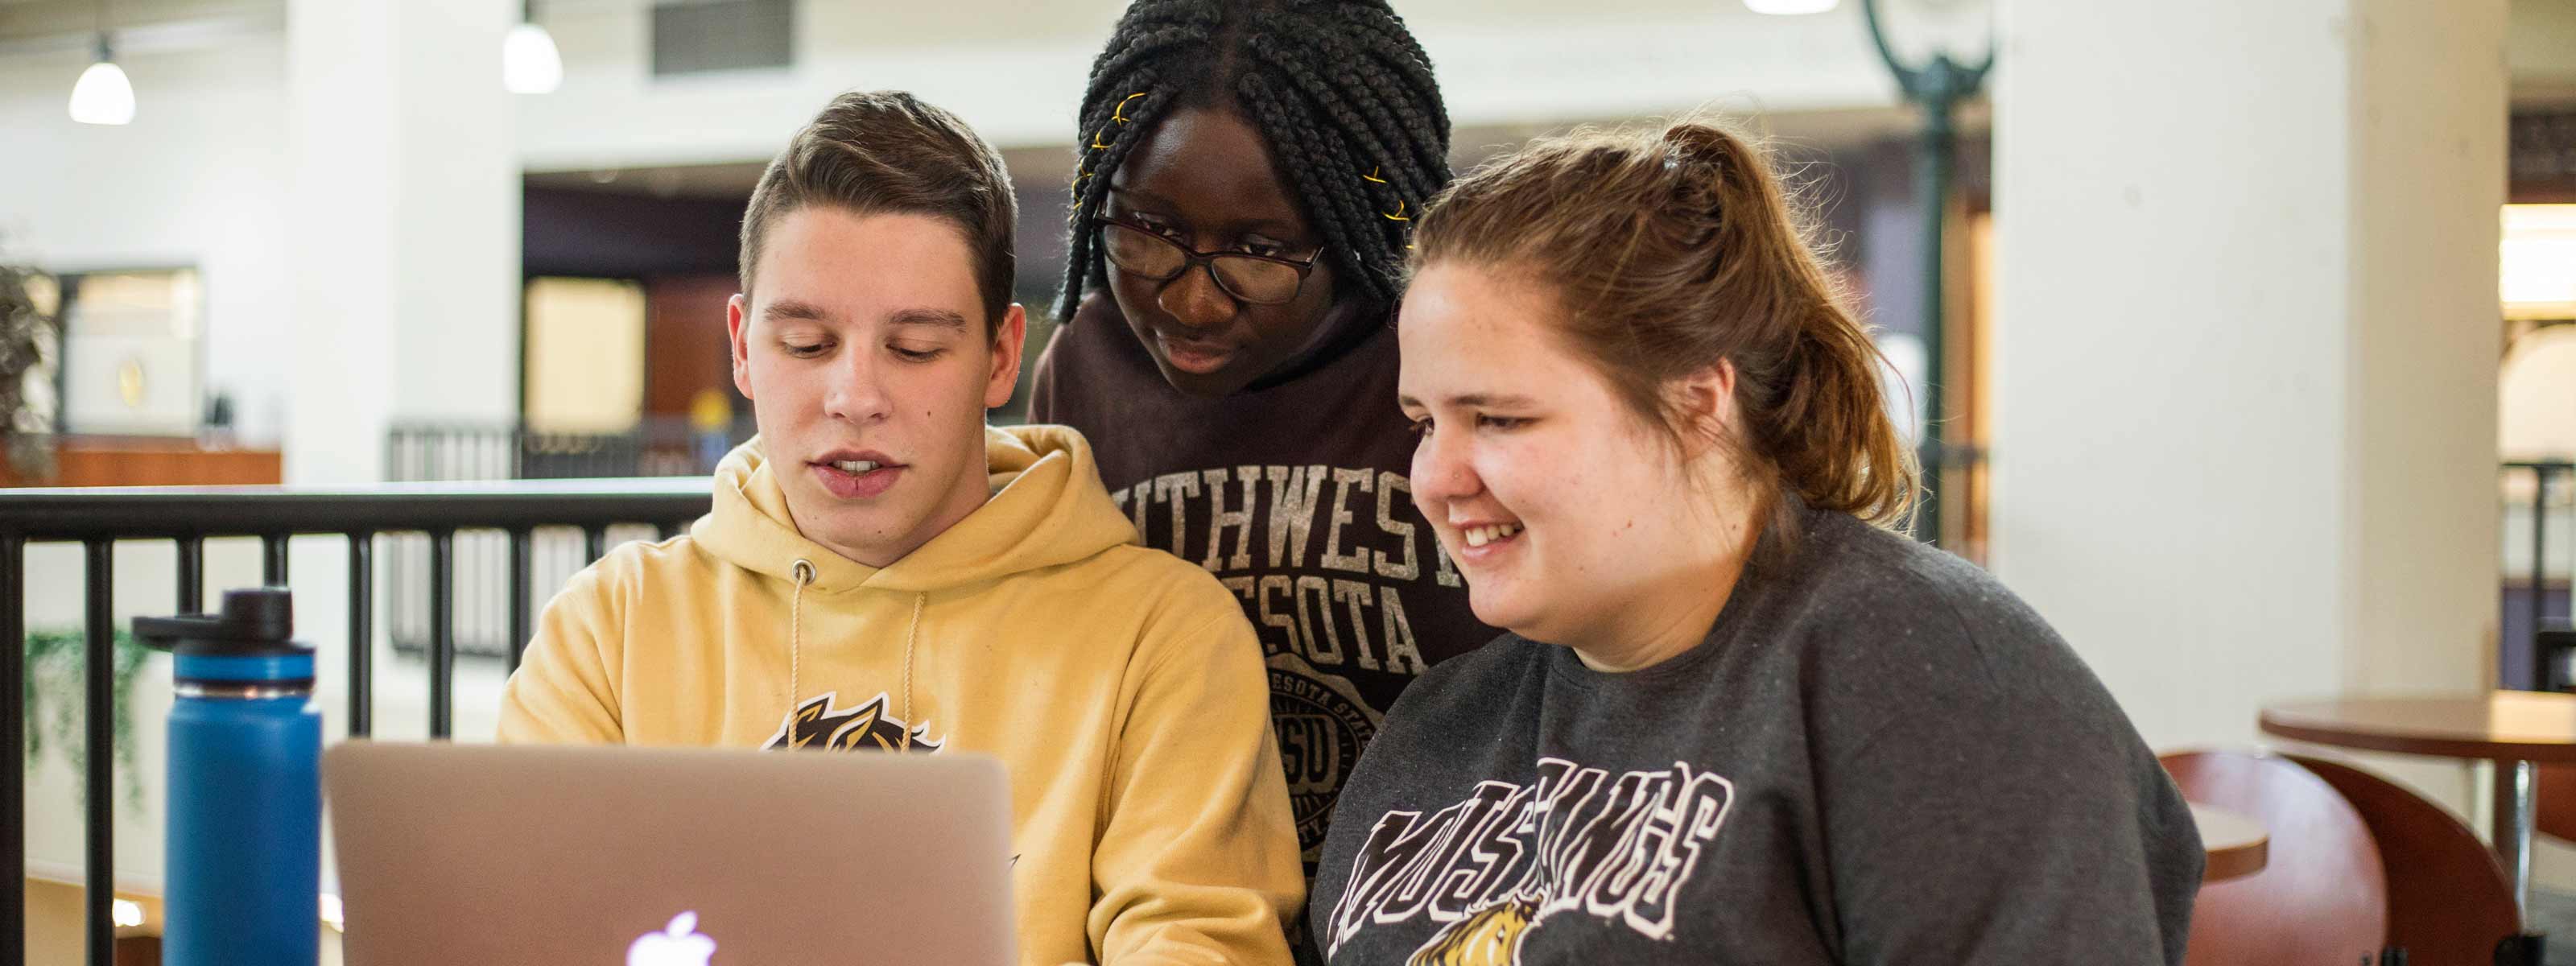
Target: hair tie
(1699,143)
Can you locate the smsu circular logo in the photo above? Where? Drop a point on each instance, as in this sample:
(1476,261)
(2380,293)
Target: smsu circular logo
(1321,724)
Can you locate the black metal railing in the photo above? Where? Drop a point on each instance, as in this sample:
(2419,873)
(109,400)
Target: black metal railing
(99,518)
(658,446)
(452,451)
(2527,613)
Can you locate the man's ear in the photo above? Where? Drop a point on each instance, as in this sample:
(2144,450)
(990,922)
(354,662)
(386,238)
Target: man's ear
(737,334)
(1010,336)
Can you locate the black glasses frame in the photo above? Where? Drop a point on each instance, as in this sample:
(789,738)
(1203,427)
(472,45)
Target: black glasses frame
(1191,259)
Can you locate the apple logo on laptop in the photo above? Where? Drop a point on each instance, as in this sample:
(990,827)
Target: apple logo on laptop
(678,944)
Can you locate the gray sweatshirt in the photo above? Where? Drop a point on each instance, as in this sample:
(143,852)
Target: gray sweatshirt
(1878,755)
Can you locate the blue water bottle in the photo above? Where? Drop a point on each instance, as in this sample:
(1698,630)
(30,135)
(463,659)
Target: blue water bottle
(244,839)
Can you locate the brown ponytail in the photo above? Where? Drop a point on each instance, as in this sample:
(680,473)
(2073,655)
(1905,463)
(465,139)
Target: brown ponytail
(1672,251)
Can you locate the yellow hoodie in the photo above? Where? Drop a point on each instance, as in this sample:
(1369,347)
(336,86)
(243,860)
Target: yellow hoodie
(1120,686)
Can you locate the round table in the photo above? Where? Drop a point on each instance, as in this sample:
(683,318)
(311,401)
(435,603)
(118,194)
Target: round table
(2238,846)
(2514,729)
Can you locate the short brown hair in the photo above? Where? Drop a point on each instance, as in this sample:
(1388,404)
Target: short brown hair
(1670,251)
(887,152)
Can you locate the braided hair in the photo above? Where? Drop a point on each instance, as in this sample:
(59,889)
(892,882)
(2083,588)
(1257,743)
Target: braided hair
(1339,89)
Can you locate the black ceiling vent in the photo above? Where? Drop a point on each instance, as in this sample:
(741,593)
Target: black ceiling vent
(709,36)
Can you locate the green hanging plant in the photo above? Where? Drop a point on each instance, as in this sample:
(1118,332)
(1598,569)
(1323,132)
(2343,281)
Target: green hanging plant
(56,671)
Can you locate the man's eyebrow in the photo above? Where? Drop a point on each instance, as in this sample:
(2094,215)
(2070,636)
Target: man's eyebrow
(941,318)
(791,309)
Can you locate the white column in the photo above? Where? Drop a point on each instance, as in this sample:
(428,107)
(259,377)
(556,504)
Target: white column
(405,225)
(2246,347)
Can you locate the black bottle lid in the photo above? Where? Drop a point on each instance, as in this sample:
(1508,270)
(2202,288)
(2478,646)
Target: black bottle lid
(256,622)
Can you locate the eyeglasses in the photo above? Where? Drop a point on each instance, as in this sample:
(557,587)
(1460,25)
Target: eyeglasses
(1250,278)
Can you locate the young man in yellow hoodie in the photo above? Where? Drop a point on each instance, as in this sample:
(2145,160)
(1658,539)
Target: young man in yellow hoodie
(883,572)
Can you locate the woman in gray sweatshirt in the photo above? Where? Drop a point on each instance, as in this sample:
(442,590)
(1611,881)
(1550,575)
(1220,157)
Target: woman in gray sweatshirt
(1735,718)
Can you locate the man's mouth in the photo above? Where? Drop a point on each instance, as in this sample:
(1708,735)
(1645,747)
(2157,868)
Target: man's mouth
(853,475)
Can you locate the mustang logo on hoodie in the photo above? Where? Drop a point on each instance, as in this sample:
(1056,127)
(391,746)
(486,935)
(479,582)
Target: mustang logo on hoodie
(817,724)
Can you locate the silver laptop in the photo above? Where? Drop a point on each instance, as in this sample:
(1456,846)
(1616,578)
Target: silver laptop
(667,857)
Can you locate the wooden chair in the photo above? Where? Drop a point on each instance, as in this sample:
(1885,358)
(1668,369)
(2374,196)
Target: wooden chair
(137,951)
(2449,900)
(2321,897)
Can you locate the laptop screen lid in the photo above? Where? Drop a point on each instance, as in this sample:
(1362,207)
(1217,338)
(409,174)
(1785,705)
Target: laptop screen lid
(488,854)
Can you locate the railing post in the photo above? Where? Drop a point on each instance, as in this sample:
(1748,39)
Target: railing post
(99,869)
(522,571)
(192,575)
(442,632)
(2540,474)
(272,559)
(13,735)
(362,634)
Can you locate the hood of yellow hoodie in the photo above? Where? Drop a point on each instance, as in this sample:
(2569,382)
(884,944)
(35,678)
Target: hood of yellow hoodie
(1048,508)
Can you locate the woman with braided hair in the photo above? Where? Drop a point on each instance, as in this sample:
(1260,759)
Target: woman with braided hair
(1249,172)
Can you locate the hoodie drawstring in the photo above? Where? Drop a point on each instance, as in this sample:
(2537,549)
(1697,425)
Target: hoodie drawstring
(908,635)
(803,572)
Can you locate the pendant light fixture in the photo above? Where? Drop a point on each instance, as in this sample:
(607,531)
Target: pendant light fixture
(529,62)
(103,95)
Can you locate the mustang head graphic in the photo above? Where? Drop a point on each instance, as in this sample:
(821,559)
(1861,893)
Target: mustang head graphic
(1490,936)
(818,725)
